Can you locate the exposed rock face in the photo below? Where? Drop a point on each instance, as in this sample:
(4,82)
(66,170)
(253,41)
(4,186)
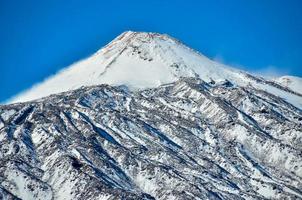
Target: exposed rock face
(185,140)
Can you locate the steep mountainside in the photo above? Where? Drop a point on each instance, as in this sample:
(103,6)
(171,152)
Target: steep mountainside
(148,118)
(185,140)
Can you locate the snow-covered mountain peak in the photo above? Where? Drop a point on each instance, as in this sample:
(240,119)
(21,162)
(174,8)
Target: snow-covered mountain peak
(136,59)
(178,126)
(143,36)
(143,60)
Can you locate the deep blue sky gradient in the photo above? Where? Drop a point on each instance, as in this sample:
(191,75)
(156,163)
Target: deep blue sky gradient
(37,38)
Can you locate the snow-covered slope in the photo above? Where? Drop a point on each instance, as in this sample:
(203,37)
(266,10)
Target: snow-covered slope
(292,82)
(144,60)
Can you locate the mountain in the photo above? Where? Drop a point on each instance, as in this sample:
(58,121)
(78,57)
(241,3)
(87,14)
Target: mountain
(142,60)
(149,118)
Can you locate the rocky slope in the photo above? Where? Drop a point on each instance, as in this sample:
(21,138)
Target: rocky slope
(185,140)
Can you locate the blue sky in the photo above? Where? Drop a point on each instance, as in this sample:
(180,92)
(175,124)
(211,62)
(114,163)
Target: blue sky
(40,37)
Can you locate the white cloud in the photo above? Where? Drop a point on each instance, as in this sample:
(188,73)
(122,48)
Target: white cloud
(272,71)
(269,71)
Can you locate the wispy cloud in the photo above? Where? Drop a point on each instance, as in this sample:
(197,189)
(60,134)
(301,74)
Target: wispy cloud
(219,58)
(272,71)
(268,71)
